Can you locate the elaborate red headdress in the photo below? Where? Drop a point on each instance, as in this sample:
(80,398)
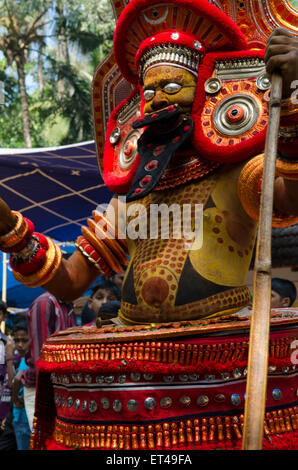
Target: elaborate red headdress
(142,20)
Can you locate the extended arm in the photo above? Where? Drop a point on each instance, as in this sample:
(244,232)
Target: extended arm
(37,261)
(73,278)
(17,384)
(9,349)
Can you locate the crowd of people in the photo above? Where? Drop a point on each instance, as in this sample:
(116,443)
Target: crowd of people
(21,343)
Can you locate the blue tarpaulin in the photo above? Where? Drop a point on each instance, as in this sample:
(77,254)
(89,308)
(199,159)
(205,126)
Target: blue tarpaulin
(56,188)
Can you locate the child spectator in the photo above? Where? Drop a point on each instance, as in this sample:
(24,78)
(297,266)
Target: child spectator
(102,292)
(19,417)
(283,293)
(5,395)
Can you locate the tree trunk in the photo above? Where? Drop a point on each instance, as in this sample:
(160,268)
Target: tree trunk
(62,51)
(60,81)
(40,70)
(24,101)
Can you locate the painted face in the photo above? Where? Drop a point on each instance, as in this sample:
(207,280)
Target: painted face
(165,85)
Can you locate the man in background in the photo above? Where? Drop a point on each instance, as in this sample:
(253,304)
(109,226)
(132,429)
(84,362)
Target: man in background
(46,316)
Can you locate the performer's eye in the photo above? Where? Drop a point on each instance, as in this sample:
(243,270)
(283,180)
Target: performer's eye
(149,94)
(172,88)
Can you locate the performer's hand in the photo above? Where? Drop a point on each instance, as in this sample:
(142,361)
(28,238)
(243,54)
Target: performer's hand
(7,218)
(282,54)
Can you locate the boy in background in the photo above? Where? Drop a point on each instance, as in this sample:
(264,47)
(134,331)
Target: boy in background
(102,292)
(283,293)
(20,343)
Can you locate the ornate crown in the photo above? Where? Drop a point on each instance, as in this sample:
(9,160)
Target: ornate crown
(173,54)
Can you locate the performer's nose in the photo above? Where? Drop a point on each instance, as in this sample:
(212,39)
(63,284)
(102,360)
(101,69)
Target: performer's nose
(159,101)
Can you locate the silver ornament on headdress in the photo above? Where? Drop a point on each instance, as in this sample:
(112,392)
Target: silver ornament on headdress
(173,54)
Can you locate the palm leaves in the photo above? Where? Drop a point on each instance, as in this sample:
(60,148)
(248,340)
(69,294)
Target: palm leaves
(51,49)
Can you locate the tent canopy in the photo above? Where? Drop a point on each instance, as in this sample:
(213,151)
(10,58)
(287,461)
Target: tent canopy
(57,188)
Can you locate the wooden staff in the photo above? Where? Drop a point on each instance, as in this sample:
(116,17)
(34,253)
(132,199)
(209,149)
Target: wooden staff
(4,276)
(254,413)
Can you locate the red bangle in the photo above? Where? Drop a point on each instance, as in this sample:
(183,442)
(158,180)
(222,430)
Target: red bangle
(20,245)
(29,267)
(42,240)
(30,229)
(93,256)
(33,258)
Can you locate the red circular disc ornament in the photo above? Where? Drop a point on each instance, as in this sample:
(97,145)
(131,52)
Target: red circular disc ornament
(235,114)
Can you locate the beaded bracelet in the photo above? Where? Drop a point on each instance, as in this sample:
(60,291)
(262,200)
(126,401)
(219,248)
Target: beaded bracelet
(111,243)
(99,245)
(102,249)
(93,257)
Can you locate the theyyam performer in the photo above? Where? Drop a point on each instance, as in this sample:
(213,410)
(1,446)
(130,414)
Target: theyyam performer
(170,371)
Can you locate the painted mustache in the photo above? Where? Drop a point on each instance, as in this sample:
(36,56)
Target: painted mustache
(156,150)
(160,116)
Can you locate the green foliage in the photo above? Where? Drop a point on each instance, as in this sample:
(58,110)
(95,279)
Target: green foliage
(76,107)
(59,43)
